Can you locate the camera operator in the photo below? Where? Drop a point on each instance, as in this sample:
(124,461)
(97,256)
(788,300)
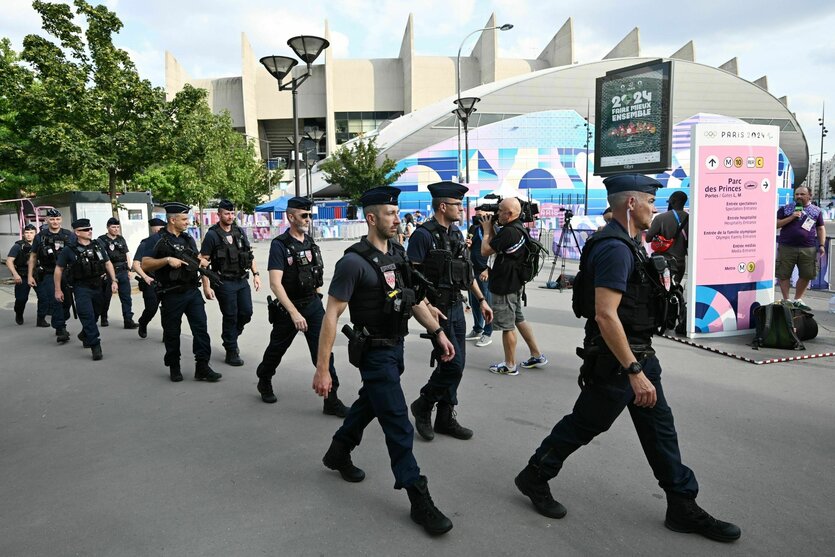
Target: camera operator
(508,244)
(482,331)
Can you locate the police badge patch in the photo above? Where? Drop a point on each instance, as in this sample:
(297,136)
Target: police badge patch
(229,239)
(289,260)
(308,255)
(390,279)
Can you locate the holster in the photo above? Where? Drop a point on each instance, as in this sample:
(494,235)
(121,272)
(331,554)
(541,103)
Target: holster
(273,310)
(357,340)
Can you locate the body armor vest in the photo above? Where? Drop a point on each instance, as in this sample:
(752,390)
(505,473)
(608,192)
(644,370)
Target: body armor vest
(50,245)
(306,273)
(385,310)
(167,247)
(446,265)
(233,257)
(638,309)
(117,250)
(89,265)
(21,262)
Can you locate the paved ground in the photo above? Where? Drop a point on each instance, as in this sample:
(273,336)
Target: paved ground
(110,458)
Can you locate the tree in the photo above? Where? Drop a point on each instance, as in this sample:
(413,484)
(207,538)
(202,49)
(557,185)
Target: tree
(16,179)
(832,186)
(86,109)
(354,168)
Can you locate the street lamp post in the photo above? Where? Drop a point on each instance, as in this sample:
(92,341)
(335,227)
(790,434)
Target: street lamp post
(315,136)
(505,27)
(308,48)
(822,124)
(466,107)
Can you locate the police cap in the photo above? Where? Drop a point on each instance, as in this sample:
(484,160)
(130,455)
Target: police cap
(113,220)
(53,213)
(176,208)
(447,189)
(29,226)
(299,203)
(226,205)
(631,182)
(81,223)
(156,222)
(383,195)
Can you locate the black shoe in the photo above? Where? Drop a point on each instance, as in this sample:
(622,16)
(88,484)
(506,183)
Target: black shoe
(446,424)
(424,511)
(204,373)
(233,358)
(97,355)
(105,322)
(42,322)
(536,488)
(266,390)
(422,411)
(175,373)
(18,318)
(82,336)
(333,406)
(131,324)
(62,336)
(142,330)
(338,458)
(685,516)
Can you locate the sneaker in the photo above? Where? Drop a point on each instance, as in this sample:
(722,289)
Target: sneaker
(532,362)
(484,341)
(473,335)
(800,305)
(502,369)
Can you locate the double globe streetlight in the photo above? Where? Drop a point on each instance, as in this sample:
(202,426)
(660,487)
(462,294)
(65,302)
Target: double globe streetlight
(307,48)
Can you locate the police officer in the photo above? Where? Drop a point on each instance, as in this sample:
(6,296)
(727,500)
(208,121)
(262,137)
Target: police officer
(616,290)
(227,249)
(46,246)
(146,280)
(438,250)
(179,293)
(296,270)
(18,263)
(117,250)
(86,262)
(373,279)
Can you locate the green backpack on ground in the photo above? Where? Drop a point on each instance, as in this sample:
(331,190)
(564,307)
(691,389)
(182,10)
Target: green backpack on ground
(780,326)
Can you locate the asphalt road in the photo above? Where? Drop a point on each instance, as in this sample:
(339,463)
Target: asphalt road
(110,458)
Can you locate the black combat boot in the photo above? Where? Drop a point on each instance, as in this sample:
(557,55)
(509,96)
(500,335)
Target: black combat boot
(265,387)
(446,423)
(62,336)
(233,358)
(82,336)
(97,355)
(175,373)
(42,322)
(333,406)
(422,411)
(424,511)
(533,485)
(338,458)
(18,311)
(202,372)
(143,329)
(131,324)
(104,321)
(685,516)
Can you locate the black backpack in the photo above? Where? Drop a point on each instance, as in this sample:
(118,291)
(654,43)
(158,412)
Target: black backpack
(535,255)
(780,326)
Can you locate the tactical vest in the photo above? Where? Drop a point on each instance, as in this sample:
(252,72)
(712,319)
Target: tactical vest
(167,246)
(233,257)
(446,265)
(21,262)
(638,309)
(117,249)
(306,272)
(89,264)
(386,309)
(50,245)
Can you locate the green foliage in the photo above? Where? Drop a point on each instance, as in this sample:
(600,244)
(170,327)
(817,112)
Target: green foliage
(354,168)
(832,186)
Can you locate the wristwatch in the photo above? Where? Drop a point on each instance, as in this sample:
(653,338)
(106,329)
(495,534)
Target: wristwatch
(437,331)
(633,369)
(256,274)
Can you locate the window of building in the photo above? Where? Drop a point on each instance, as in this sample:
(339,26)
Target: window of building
(351,124)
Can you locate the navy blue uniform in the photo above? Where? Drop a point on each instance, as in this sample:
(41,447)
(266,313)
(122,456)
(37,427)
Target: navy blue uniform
(117,250)
(87,291)
(47,254)
(476,234)
(443,383)
(234,296)
(149,293)
(601,402)
(180,295)
(381,395)
(20,252)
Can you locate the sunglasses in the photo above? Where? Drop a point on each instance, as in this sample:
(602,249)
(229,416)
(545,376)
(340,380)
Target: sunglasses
(85,229)
(304,215)
(458,203)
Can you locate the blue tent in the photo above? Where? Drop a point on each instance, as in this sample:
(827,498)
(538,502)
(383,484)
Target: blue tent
(274,205)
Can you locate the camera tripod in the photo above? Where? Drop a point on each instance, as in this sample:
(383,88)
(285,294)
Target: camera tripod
(559,255)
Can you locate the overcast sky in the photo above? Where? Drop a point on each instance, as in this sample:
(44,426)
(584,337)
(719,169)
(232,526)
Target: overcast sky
(790,42)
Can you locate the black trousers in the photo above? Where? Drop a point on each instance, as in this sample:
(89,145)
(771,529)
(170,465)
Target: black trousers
(443,383)
(149,297)
(124,295)
(88,304)
(191,304)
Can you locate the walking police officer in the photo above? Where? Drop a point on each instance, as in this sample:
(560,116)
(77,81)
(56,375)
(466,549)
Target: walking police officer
(117,250)
(617,290)
(438,250)
(374,280)
(179,293)
(18,263)
(296,274)
(227,249)
(46,246)
(146,280)
(86,263)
